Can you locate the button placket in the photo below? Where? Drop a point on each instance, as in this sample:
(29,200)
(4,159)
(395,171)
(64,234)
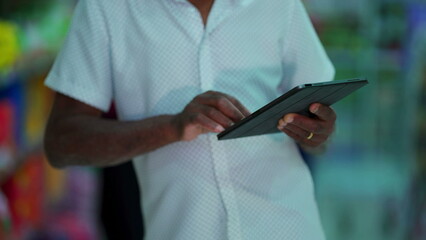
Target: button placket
(220,164)
(226,189)
(219,158)
(189,18)
(205,64)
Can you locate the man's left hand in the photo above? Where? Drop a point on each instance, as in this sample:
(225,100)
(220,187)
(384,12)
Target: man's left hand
(309,132)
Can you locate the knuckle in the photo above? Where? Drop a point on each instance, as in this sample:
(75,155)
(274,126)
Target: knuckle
(197,98)
(232,99)
(210,112)
(191,105)
(198,117)
(222,101)
(317,128)
(236,114)
(195,117)
(190,108)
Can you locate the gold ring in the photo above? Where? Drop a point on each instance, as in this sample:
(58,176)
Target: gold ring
(310,136)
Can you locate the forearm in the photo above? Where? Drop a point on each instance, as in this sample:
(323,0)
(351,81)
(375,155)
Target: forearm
(93,141)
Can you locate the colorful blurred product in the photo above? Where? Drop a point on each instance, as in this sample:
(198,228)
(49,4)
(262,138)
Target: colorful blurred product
(9,47)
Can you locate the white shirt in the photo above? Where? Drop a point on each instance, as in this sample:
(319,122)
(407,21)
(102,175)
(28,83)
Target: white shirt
(152,57)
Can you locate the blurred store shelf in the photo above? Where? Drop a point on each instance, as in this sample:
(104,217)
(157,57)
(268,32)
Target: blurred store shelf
(369,182)
(36,201)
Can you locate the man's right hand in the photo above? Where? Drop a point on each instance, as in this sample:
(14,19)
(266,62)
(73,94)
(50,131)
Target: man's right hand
(77,135)
(209,112)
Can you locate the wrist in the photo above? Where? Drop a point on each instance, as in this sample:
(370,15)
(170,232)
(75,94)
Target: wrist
(163,127)
(175,127)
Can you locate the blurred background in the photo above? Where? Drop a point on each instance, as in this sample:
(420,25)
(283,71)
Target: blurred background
(371,184)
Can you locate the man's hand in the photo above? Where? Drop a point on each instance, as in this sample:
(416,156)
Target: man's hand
(309,132)
(209,112)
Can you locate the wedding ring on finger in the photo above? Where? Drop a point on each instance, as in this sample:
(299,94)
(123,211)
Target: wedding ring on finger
(310,136)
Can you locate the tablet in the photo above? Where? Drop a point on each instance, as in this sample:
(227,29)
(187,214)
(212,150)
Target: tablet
(297,100)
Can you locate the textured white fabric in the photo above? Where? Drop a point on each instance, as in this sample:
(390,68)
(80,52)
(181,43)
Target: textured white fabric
(152,57)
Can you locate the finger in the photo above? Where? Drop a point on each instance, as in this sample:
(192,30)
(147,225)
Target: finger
(229,109)
(207,123)
(299,139)
(239,105)
(216,116)
(323,112)
(308,124)
(221,103)
(303,134)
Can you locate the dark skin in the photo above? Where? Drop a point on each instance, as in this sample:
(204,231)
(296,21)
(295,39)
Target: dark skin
(77,135)
(300,127)
(204,7)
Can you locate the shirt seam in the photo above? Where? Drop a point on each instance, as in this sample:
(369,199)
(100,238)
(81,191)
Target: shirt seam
(107,32)
(286,38)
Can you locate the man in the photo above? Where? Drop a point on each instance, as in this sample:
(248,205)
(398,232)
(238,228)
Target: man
(178,72)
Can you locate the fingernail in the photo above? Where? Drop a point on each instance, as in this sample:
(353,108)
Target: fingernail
(219,128)
(314,108)
(288,119)
(281,124)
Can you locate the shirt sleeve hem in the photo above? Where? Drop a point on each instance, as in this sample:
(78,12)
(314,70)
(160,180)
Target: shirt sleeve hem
(84,95)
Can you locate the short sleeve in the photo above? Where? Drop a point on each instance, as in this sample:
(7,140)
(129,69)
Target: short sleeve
(304,58)
(82,69)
